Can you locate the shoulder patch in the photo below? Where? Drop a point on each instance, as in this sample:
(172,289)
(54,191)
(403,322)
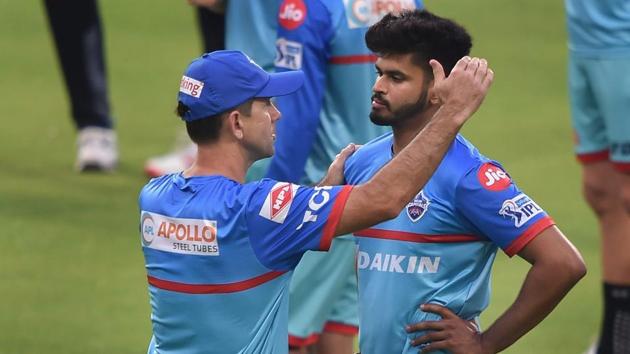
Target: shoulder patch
(278,202)
(288,54)
(291,14)
(520,208)
(364,13)
(492,177)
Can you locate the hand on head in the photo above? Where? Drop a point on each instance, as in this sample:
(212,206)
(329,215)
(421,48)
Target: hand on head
(465,87)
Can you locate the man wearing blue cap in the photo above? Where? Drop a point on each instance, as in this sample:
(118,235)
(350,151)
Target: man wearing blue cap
(218,252)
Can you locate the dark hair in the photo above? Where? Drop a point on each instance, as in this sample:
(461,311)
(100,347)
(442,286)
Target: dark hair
(422,34)
(206,130)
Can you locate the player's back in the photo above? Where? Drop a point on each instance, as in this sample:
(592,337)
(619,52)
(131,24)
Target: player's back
(207,287)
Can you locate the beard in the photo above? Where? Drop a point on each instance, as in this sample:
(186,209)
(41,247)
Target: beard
(401,114)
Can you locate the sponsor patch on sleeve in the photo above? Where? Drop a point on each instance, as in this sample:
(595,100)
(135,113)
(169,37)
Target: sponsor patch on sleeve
(520,209)
(178,235)
(288,54)
(278,202)
(364,13)
(291,14)
(190,86)
(492,177)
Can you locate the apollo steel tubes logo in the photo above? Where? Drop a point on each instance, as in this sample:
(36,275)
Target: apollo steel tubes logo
(147,228)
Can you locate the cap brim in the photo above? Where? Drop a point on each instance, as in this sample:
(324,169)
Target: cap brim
(281,84)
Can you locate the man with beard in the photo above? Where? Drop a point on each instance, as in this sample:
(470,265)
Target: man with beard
(432,263)
(219,252)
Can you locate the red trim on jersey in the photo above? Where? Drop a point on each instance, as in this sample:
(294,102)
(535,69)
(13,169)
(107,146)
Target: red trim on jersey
(517,245)
(213,288)
(353,59)
(623,167)
(414,237)
(299,342)
(593,156)
(334,217)
(341,328)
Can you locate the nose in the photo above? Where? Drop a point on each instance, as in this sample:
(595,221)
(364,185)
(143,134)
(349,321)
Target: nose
(274,113)
(379,85)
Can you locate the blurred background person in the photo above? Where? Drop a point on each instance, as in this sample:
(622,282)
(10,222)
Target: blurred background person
(599,90)
(325,39)
(248,26)
(78,37)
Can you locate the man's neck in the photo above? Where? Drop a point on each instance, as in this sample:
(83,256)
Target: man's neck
(222,159)
(405,131)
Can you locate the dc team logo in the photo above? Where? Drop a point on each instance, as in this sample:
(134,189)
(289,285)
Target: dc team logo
(147,228)
(278,202)
(418,207)
(492,177)
(520,208)
(292,14)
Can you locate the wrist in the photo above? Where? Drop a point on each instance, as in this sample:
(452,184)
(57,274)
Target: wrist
(454,113)
(487,345)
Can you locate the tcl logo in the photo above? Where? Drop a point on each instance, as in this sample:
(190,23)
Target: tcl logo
(292,14)
(317,201)
(493,177)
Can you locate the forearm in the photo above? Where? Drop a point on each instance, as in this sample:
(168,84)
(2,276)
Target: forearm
(384,196)
(416,163)
(542,290)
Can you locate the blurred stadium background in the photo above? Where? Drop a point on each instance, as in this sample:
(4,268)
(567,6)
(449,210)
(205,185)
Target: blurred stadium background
(71,271)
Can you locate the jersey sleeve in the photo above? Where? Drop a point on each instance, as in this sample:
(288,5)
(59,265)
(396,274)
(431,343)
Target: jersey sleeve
(488,198)
(285,220)
(304,28)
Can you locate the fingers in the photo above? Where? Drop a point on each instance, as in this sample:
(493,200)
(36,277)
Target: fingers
(461,64)
(437,309)
(438,70)
(425,326)
(348,150)
(430,337)
(487,81)
(482,70)
(434,346)
(473,65)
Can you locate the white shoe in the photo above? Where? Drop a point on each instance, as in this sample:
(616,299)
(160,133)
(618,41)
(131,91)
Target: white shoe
(97,150)
(175,161)
(592,349)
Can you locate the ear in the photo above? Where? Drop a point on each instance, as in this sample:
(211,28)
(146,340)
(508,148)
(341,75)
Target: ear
(235,124)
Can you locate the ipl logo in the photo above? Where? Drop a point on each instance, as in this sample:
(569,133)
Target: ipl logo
(147,228)
(520,208)
(418,207)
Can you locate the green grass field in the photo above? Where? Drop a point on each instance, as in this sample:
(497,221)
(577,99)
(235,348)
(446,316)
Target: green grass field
(71,272)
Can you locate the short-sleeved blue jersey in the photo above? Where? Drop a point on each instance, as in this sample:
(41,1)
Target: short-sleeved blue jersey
(326,40)
(219,254)
(441,247)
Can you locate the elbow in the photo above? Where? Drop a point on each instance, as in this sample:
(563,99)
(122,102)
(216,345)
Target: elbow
(577,269)
(392,207)
(574,269)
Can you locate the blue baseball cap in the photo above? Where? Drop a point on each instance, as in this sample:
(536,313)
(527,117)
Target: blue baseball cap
(221,80)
